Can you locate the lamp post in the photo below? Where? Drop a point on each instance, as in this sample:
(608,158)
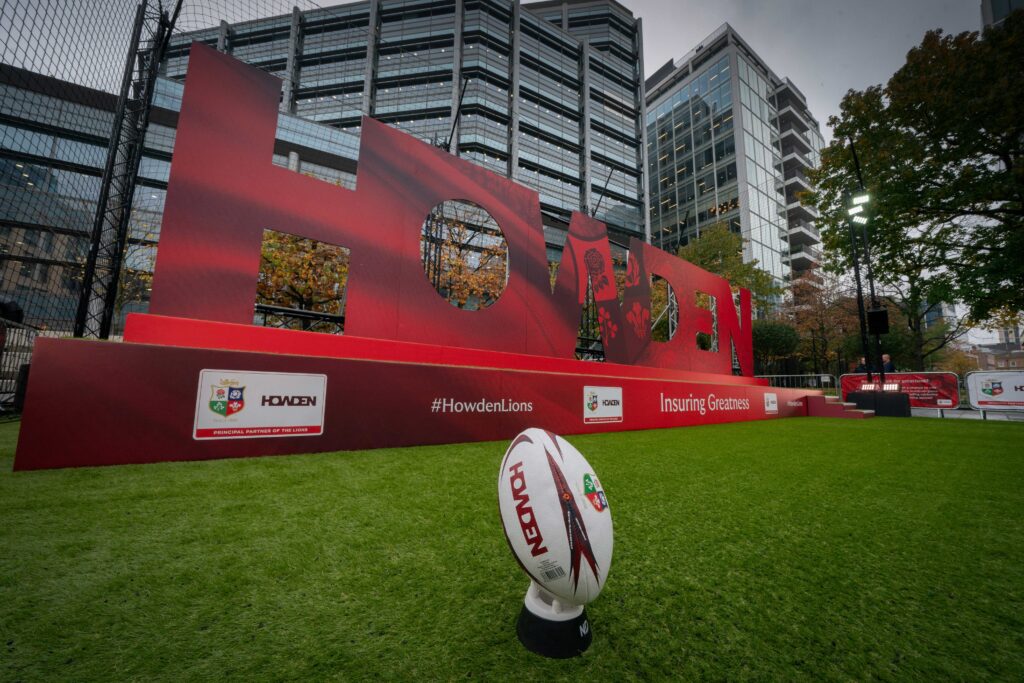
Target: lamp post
(855,216)
(877,316)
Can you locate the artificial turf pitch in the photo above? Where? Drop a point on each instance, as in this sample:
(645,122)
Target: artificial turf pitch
(815,548)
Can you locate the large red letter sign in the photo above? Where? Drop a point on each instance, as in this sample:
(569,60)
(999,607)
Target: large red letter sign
(224,192)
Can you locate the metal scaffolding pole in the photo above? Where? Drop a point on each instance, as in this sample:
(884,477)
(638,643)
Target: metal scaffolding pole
(102,274)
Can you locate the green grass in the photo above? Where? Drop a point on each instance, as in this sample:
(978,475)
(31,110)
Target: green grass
(810,548)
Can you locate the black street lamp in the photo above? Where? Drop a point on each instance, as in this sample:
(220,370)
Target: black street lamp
(876,319)
(855,216)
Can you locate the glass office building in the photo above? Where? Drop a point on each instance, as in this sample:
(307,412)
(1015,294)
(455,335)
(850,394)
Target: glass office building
(716,144)
(552,92)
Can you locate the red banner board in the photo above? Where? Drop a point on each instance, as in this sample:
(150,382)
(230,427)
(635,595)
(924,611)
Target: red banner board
(143,405)
(926,389)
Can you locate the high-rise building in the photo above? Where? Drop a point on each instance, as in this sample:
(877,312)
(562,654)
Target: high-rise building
(551,92)
(800,141)
(1011,336)
(939,313)
(728,142)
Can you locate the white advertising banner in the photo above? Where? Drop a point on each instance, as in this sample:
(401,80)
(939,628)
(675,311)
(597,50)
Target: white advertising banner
(771,404)
(1003,390)
(233,404)
(602,404)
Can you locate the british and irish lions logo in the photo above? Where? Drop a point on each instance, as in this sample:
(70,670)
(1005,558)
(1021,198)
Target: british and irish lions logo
(991,387)
(226,400)
(594,493)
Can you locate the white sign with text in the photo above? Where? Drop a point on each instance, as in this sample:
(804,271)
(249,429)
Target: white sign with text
(996,390)
(232,404)
(602,404)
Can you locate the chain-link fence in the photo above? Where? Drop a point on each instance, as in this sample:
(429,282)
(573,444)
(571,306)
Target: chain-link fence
(59,70)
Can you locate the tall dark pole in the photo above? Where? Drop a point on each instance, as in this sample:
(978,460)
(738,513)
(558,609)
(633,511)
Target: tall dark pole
(854,251)
(447,146)
(875,304)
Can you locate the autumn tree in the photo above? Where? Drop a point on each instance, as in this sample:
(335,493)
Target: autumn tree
(940,146)
(464,255)
(303,274)
(957,359)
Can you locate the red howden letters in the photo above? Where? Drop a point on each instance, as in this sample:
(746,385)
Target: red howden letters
(224,191)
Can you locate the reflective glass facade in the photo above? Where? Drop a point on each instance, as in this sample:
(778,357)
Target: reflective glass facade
(994,12)
(715,152)
(764,196)
(692,159)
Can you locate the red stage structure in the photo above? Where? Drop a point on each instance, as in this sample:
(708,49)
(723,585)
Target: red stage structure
(197,380)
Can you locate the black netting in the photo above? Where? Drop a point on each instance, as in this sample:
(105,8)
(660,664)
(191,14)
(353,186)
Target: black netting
(60,69)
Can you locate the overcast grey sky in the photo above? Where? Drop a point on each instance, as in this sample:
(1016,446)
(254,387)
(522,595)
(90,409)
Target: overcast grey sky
(825,47)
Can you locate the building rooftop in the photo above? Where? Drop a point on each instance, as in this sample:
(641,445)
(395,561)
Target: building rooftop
(547,4)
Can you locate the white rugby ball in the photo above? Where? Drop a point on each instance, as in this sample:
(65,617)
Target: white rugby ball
(555,515)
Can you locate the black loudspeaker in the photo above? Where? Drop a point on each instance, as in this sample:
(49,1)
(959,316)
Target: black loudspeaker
(878,321)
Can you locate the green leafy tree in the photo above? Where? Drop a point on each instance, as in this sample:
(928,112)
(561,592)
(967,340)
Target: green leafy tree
(940,146)
(904,344)
(773,341)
